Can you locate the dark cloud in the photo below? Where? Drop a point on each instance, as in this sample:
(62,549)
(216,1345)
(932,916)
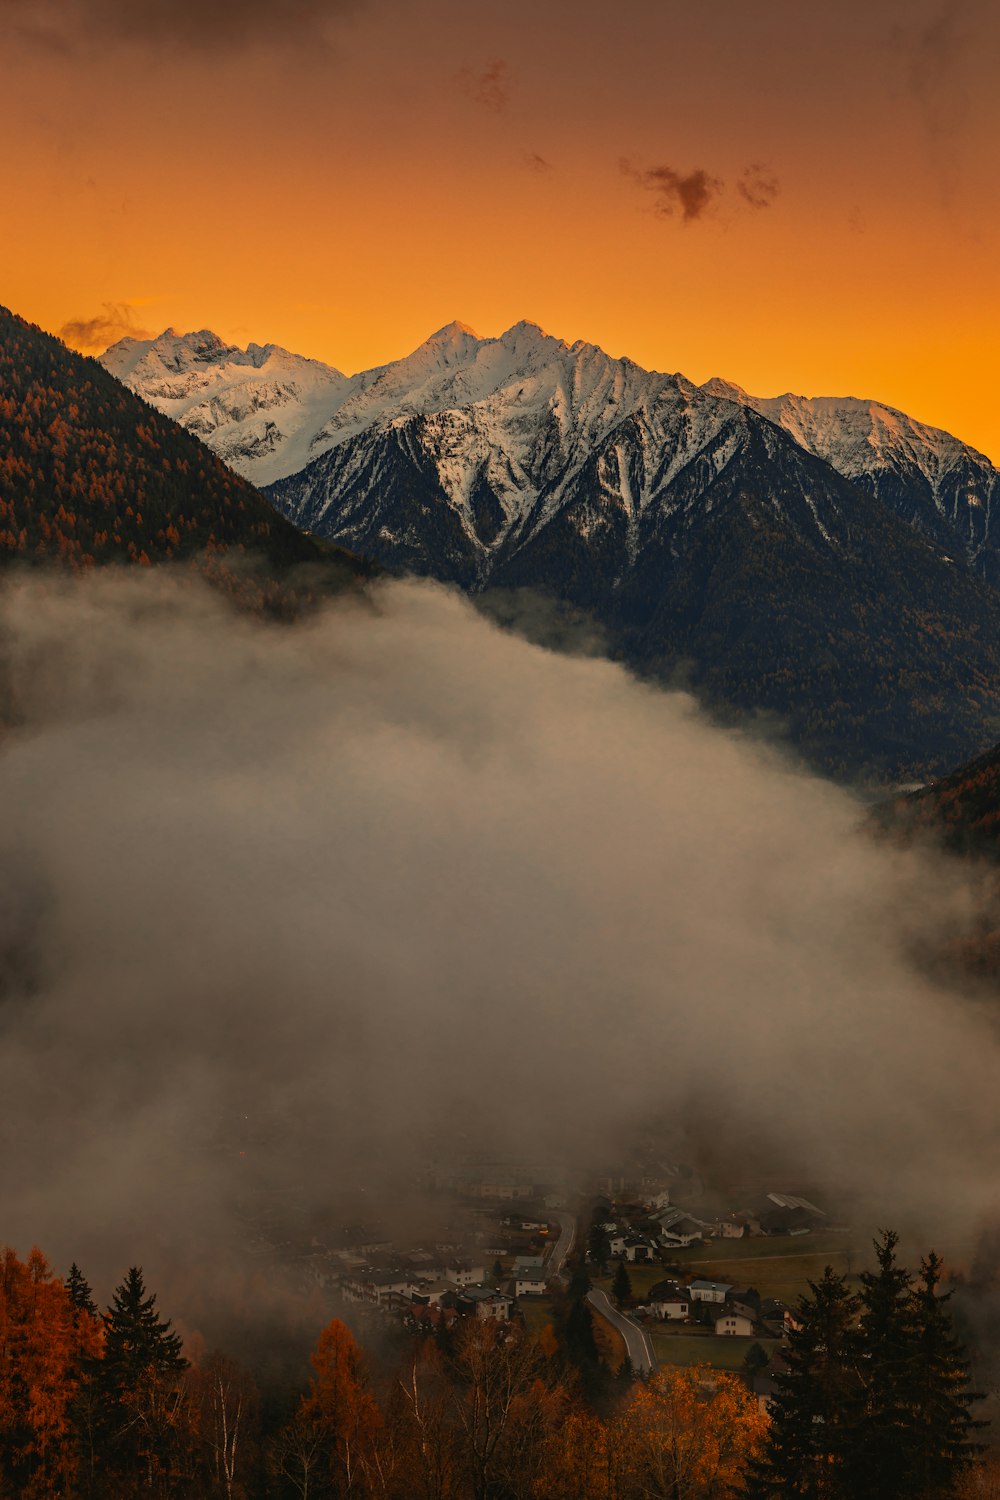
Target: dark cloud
(758,186)
(536,162)
(691,193)
(235,25)
(490,87)
(117,321)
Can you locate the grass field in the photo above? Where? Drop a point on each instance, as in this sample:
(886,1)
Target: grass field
(691,1348)
(536,1311)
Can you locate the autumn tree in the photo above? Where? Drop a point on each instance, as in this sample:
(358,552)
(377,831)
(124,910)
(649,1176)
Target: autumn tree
(498,1394)
(39,1373)
(689,1434)
(328,1447)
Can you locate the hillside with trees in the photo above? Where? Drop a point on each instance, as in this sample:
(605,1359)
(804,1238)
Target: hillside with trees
(91,475)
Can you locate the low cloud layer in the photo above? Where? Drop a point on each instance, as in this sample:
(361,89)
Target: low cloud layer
(395,882)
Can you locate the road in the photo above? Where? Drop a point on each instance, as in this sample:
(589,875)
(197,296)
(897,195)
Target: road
(637,1340)
(563,1245)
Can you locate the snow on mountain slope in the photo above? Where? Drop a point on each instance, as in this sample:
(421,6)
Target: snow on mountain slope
(258,408)
(507,422)
(931,478)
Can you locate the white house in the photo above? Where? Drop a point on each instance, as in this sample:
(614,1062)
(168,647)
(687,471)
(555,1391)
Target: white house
(668,1301)
(730,1227)
(710,1291)
(528,1284)
(464,1273)
(734,1325)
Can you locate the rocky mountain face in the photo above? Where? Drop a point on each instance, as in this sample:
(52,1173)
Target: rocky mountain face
(781,557)
(936,483)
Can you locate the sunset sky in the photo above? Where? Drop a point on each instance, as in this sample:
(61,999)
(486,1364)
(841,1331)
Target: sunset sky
(793,195)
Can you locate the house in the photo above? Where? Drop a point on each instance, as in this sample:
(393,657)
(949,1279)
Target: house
(660,1200)
(484,1304)
(734,1325)
(787,1221)
(636,1248)
(677,1228)
(528,1284)
(709,1291)
(778,1318)
(730,1227)
(669,1301)
(463,1273)
(376,1287)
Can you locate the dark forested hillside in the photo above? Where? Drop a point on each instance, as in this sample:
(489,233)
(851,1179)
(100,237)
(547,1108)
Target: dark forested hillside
(961,810)
(89,474)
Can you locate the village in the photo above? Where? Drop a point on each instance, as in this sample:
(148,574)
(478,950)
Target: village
(667,1283)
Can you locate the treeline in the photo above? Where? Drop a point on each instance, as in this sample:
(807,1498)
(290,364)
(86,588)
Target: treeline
(872,1402)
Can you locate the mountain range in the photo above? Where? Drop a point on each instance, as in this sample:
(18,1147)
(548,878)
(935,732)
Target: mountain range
(829,562)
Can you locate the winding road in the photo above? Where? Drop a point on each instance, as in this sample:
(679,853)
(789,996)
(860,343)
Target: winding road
(637,1340)
(563,1245)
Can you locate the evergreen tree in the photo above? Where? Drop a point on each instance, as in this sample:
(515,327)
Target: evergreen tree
(621,1287)
(579,1284)
(599,1246)
(138,1381)
(137,1339)
(883,1445)
(810,1434)
(80,1295)
(942,1423)
(581,1345)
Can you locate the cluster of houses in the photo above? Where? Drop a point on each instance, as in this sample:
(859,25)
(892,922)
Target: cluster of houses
(459,1287)
(666,1226)
(731,1311)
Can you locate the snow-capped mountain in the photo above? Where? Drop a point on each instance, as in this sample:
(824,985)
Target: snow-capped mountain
(258,408)
(512,417)
(789,558)
(937,483)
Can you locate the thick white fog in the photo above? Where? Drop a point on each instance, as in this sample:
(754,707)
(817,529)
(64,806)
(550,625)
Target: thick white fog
(394,876)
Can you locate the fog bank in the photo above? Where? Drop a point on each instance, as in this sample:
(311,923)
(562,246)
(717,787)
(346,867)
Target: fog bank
(393,877)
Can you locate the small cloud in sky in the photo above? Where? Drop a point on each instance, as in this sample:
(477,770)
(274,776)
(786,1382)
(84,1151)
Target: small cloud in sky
(758,186)
(489,87)
(689,193)
(116,321)
(537,163)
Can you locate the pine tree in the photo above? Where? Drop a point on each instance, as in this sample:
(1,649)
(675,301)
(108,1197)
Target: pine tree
(138,1382)
(137,1339)
(942,1423)
(599,1246)
(883,1445)
(810,1434)
(621,1287)
(80,1294)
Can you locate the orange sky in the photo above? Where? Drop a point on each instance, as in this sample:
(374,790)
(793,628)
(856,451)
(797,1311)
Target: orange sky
(344,176)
